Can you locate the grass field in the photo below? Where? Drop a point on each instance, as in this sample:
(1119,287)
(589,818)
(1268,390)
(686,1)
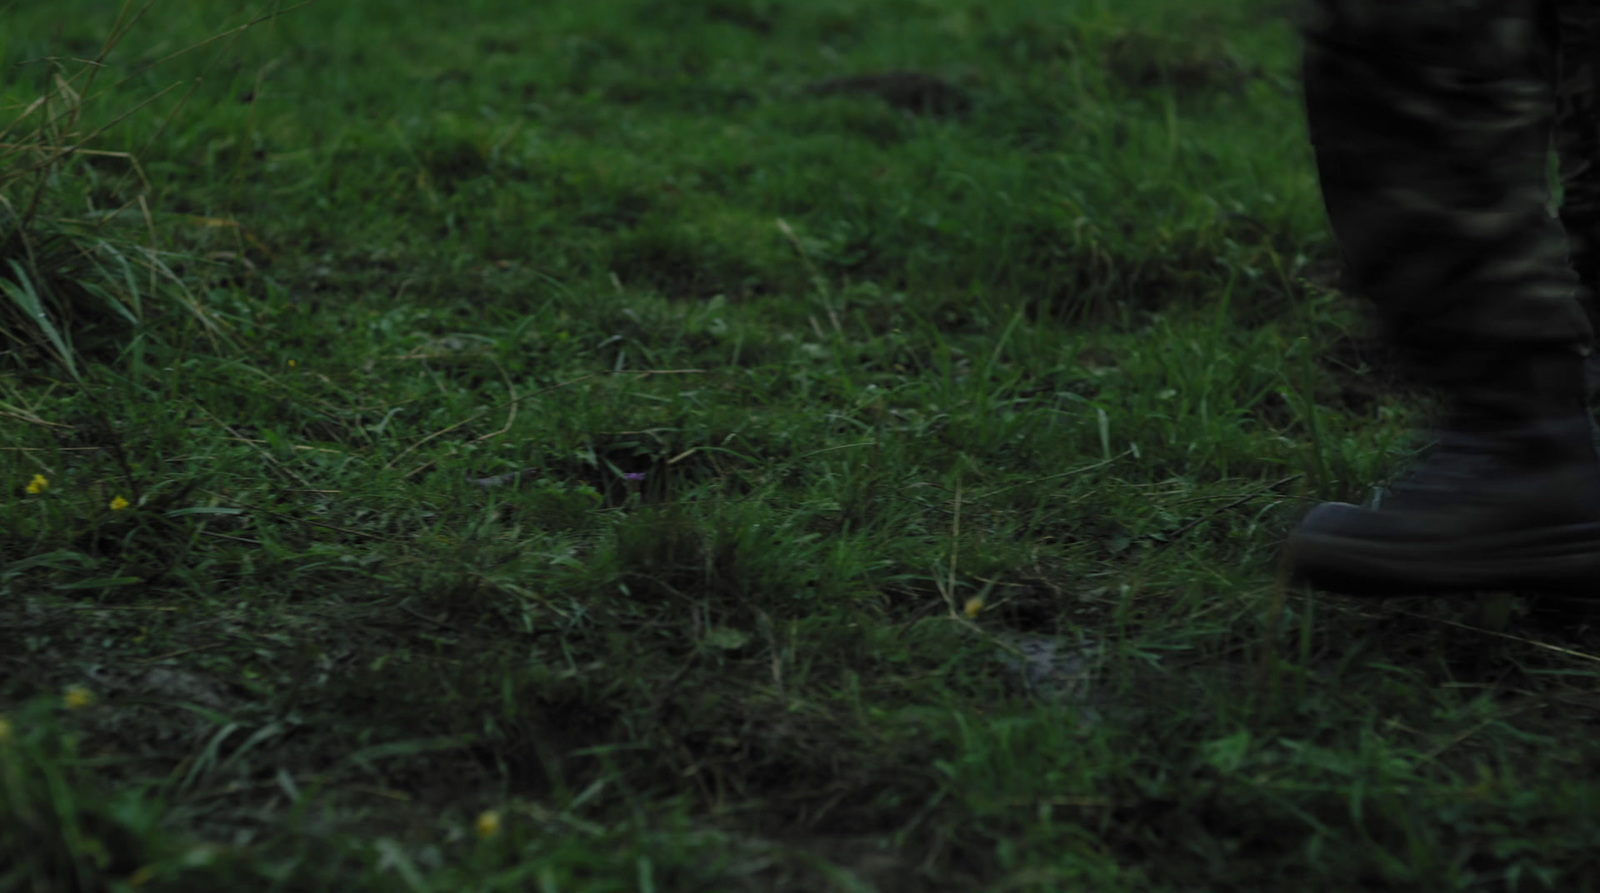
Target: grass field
(715,445)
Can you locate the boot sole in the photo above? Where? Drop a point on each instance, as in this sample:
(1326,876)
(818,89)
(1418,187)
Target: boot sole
(1558,561)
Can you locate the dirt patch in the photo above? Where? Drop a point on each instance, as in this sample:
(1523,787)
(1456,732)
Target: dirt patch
(1053,669)
(1144,61)
(908,91)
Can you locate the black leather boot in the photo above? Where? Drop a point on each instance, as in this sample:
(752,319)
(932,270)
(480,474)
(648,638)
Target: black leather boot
(1508,498)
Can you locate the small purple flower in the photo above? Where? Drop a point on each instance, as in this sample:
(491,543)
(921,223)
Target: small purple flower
(634,476)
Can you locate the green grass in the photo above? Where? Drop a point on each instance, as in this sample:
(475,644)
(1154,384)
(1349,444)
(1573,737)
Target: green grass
(1055,350)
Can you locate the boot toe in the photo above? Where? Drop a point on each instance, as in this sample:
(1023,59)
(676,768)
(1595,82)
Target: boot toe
(1330,519)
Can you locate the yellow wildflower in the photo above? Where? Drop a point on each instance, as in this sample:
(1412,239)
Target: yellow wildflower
(118,504)
(77,697)
(38,485)
(973,606)
(5,731)
(488,824)
(293,364)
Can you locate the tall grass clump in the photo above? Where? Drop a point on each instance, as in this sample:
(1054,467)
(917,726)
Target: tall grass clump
(82,273)
(58,829)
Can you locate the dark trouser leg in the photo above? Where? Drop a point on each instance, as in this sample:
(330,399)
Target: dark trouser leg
(1431,121)
(1578,137)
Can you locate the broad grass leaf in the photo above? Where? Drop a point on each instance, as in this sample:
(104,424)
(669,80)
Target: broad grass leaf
(23,294)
